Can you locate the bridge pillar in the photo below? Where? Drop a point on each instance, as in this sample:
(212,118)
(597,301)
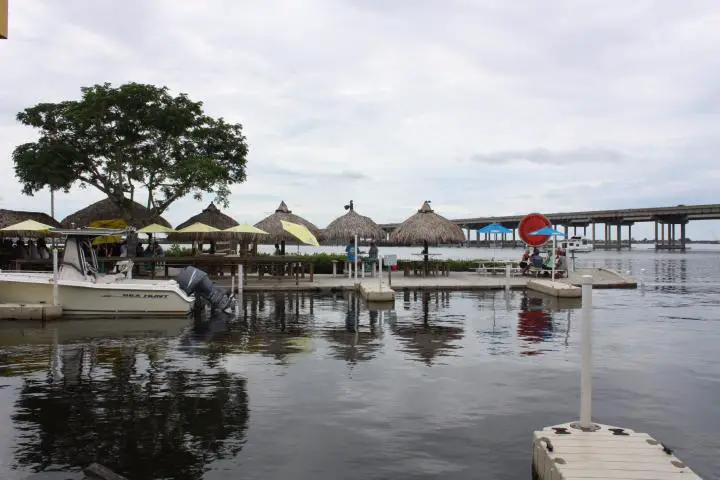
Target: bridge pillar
(593,233)
(682,236)
(630,237)
(656,234)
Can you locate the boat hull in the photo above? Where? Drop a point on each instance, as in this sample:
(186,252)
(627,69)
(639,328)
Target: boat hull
(98,299)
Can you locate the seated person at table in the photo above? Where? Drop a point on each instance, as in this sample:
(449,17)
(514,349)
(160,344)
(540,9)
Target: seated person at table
(525,261)
(536,259)
(561,265)
(350,252)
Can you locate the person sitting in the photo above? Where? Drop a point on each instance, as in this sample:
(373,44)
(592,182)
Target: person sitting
(43,249)
(536,259)
(277,250)
(350,253)
(525,262)
(33,252)
(561,265)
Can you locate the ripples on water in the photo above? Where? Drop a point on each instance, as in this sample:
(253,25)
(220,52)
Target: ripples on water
(448,385)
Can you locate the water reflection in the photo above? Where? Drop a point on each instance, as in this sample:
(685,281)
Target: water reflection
(670,277)
(536,326)
(275,325)
(432,331)
(131,407)
(357,340)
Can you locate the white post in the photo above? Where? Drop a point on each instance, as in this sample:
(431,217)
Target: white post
(507,276)
(379,263)
(552,258)
(56,293)
(241,278)
(586,354)
(232,284)
(356,257)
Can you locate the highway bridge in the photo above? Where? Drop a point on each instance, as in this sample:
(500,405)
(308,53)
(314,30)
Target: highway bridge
(666,220)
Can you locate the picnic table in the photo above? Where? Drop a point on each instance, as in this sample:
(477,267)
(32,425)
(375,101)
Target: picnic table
(423,268)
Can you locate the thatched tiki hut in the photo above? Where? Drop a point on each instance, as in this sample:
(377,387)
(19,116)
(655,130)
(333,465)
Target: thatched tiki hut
(343,229)
(276,233)
(211,216)
(109,210)
(427,227)
(11,217)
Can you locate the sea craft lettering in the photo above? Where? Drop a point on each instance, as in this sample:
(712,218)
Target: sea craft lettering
(144,295)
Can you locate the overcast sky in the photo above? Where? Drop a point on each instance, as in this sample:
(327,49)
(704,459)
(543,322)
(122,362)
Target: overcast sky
(483,107)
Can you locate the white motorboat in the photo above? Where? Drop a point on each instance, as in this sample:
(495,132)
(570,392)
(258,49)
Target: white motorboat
(577,244)
(83,290)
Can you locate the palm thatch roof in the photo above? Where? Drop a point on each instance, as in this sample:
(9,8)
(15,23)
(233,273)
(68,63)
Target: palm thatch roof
(276,233)
(344,228)
(108,210)
(210,216)
(427,226)
(11,217)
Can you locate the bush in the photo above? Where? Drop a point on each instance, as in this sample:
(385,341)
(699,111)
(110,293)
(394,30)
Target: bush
(323,261)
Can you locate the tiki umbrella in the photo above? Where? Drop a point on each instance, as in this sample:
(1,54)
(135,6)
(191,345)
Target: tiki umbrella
(345,228)
(273,225)
(11,217)
(211,216)
(108,210)
(427,227)
(28,228)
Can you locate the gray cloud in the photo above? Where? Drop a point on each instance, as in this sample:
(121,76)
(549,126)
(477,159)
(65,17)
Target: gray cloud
(375,100)
(544,156)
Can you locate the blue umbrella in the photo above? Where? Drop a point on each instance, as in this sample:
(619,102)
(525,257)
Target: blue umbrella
(549,232)
(494,228)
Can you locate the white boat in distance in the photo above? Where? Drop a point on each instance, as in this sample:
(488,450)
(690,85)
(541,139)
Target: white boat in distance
(84,291)
(577,244)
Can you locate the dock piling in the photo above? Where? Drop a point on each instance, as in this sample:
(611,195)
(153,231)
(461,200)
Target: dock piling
(55,293)
(586,355)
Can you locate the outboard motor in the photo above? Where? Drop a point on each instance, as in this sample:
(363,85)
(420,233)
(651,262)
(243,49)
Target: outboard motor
(194,281)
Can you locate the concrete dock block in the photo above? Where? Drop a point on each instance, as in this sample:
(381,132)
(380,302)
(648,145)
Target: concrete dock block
(554,289)
(372,292)
(28,311)
(564,452)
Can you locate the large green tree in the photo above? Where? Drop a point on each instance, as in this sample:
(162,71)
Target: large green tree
(124,139)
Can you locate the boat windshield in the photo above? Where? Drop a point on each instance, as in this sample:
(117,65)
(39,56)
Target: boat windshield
(88,255)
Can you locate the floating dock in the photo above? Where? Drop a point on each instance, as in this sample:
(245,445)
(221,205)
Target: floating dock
(29,311)
(373,292)
(586,450)
(567,452)
(554,289)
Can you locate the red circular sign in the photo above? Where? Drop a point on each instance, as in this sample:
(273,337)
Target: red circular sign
(531,223)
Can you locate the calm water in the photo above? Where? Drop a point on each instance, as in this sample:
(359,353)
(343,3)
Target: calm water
(448,385)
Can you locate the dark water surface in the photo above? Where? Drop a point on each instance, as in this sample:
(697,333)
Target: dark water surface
(448,385)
